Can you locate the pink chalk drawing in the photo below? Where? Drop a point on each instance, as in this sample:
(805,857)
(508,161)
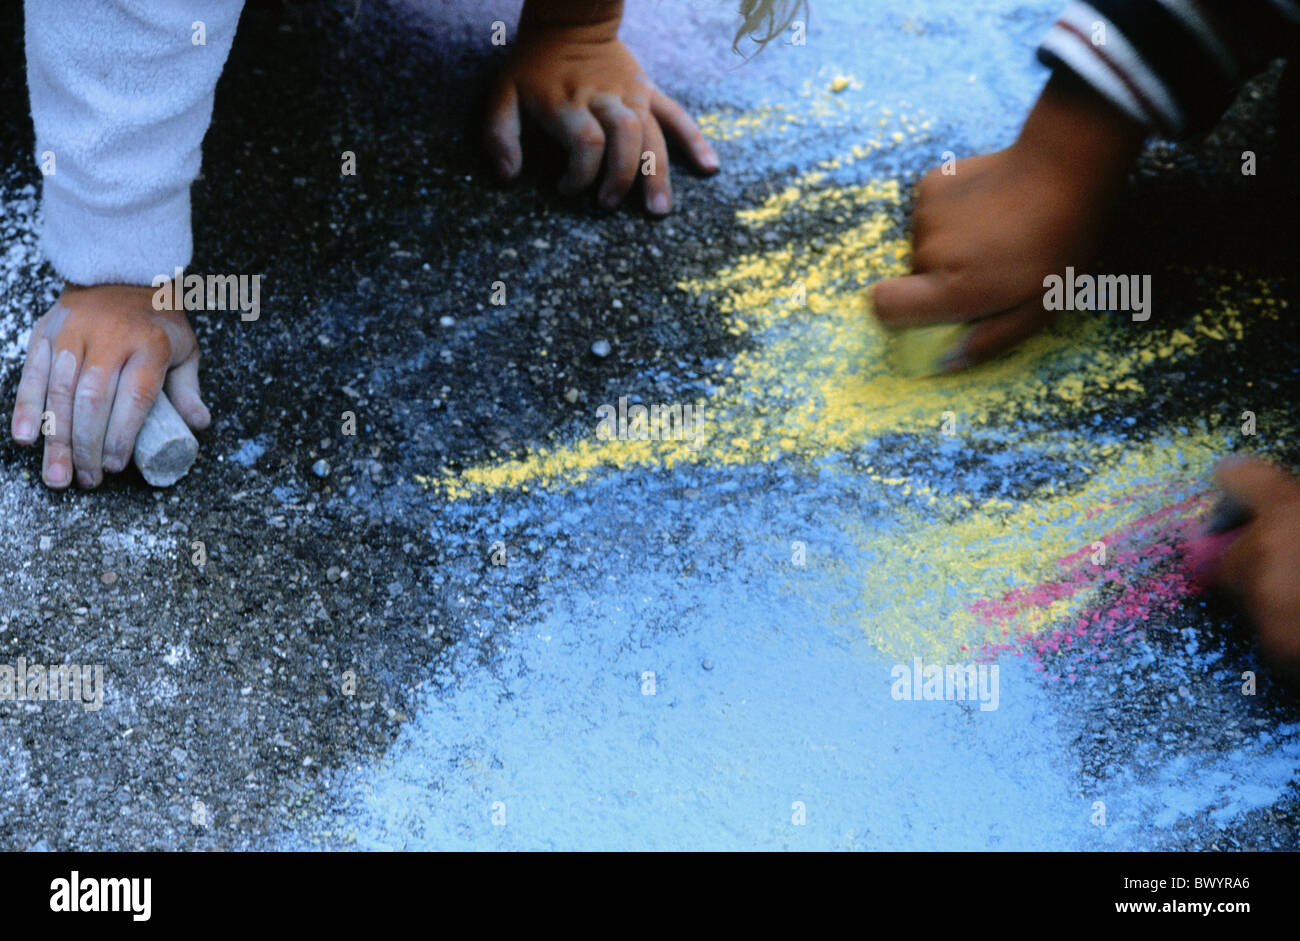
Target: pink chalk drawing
(1153,565)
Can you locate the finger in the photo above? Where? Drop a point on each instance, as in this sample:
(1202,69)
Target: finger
(623,135)
(932,297)
(1273,612)
(656,179)
(581,135)
(683,127)
(182,387)
(503,131)
(137,387)
(31,389)
(90,410)
(1246,568)
(57,463)
(993,336)
(1229,560)
(1256,483)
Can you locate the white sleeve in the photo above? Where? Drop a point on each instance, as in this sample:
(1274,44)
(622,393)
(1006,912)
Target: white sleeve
(121,94)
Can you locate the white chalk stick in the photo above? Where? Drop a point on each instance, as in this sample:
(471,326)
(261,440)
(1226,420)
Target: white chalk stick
(165,449)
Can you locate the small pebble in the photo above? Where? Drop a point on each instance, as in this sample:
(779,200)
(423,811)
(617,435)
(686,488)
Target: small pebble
(447,321)
(321,468)
(600,348)
(333,573)
(108,578)
(46,543)
(571,395)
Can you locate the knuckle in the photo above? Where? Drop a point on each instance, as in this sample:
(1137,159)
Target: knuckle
(140,399)
(83,454)
(155,340)
(957,277)
(91,396)
(591,137)
(60,388)
(37,340)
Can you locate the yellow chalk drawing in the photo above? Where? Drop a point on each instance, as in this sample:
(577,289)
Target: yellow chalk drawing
(932,568)
(809,381)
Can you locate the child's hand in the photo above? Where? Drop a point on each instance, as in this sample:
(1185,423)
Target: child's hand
(985,236)
(1263,564)
(95,363)
(587,90)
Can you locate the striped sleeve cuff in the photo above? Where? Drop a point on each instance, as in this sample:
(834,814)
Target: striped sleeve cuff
(1172,65)
(1289,9)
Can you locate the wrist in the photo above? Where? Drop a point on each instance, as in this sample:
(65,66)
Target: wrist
(1089,143)
(583,20)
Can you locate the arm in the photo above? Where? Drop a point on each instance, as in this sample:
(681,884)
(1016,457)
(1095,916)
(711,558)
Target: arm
(121,94)
(986,235)
(1171,65)
(121,97)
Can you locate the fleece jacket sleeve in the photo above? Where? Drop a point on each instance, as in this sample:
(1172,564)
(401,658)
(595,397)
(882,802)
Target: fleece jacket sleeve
(121,96)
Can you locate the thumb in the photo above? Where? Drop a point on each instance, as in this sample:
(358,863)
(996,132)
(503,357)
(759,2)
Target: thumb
(926,298)
(182,387)
(503,131)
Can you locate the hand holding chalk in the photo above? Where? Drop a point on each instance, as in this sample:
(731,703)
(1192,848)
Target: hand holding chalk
(926,350)
(1257,556)
(923,351)
(165,449)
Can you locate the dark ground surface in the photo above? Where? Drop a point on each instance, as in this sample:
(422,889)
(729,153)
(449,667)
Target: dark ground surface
(224,677)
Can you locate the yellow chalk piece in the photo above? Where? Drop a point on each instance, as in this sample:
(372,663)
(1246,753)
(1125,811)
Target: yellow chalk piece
(912,352)
(920,351)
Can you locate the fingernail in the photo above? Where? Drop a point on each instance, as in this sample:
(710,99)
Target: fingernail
(954,361)
(659,204)
(709,158)
(1227,515)
(56,474)
(86,479)
(24,430)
